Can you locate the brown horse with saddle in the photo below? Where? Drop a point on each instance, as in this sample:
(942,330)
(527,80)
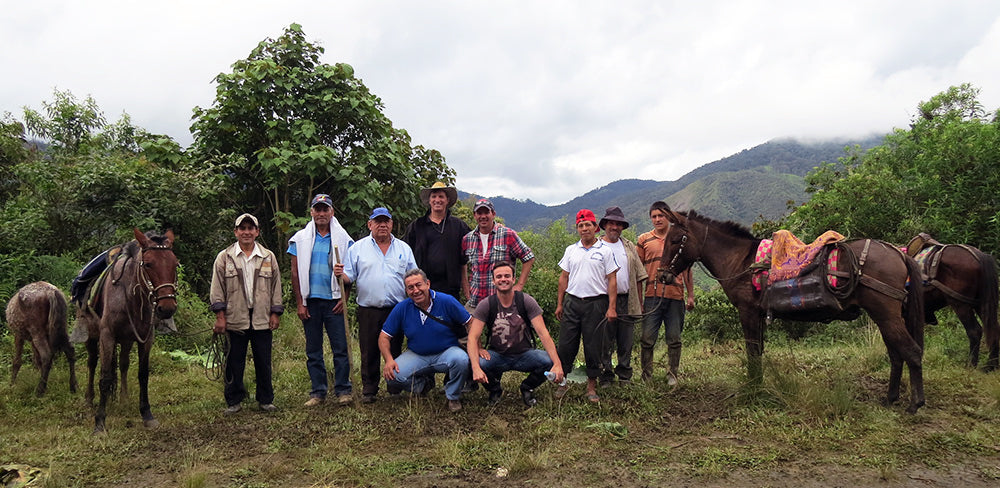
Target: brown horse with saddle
(963,278)
(139,283)
(871,276)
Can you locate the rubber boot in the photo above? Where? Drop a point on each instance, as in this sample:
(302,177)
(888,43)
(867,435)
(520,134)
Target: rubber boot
(674,357)
(646,359)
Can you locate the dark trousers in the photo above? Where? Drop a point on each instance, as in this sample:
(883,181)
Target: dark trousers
(370,321)
(583,317)
(621,339)
(236,361)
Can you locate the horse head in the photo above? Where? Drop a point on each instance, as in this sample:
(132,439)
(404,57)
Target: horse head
(158,271)
(679,252)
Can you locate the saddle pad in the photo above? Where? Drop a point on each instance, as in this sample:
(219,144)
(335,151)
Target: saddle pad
(790,255)
(762,262)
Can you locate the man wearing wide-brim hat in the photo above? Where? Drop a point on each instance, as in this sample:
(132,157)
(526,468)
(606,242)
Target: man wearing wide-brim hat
(631,278)
(436,239)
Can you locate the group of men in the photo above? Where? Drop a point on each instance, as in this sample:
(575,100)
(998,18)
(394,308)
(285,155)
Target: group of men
(410,288)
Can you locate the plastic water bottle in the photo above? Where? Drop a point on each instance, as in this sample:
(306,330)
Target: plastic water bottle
(552,377)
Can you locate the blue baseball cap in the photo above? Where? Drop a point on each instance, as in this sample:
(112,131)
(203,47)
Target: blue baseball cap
(380,212)
(321,198)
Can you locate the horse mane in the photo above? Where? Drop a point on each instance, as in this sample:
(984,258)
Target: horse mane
(729,227)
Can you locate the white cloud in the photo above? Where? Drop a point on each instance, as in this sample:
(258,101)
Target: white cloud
(540,100)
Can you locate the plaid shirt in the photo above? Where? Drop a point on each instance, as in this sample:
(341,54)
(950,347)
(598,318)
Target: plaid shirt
(504,245)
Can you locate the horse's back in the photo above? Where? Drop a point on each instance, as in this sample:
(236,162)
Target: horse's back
(32,306)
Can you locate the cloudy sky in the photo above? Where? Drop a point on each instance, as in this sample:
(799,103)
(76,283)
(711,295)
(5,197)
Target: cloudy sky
(533,99)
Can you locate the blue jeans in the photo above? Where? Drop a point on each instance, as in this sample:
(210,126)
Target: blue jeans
(415,369)
(321,318)
(535,362)
(669,312)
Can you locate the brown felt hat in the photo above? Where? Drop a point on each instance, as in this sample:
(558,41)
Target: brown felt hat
(614,213)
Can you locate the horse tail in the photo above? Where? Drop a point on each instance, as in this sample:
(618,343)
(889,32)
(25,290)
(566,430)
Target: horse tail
(913,306)
(57,316)
(989,296)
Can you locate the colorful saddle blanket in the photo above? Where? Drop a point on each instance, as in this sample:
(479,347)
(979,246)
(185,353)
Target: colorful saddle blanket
(784,256)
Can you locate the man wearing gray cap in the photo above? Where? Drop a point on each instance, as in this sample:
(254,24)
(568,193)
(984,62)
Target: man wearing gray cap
(246,298)
(489,243)
(320,301)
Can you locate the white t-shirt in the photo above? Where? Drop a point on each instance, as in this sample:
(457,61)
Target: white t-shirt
(588,268)
(620,257)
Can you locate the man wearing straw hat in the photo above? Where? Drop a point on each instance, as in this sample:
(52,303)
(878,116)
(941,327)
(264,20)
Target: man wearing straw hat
(321,302)
(376,265)
(436,239)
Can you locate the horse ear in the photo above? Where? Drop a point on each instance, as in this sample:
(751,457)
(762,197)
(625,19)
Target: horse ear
(169,234)
(673,218)
(140,237)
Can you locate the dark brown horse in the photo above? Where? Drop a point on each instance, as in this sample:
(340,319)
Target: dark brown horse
(727,250)
(37,313)
(965,279)
(141,282)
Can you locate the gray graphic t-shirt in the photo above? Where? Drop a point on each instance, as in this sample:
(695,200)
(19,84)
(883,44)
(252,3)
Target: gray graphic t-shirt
(510,335)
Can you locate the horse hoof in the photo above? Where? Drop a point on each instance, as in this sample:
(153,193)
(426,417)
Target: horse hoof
(99,431)
(151,423)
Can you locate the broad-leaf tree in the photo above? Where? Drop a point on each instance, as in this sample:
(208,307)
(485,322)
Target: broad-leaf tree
(295,126)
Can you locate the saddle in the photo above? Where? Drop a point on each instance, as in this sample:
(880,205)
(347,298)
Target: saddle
(798,280)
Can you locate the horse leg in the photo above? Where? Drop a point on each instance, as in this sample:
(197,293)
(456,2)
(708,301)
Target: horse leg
(992,340)
(753,333)
(895,374)
(71,359)
(972,329)
(93,353)
(15,362)
(123,360)
(42,354)
(147,415)
(107,382)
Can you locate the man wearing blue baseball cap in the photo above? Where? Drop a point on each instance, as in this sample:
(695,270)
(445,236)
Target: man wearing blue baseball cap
(376,265)
(321,302)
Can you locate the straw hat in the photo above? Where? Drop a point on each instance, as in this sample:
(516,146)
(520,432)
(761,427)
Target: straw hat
(450,191)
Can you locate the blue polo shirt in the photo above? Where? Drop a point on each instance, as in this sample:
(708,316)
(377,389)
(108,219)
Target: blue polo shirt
(426,336)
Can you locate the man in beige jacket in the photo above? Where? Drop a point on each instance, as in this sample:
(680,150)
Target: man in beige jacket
(246,299)
(631,279)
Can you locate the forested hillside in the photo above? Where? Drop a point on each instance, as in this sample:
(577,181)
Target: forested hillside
(754,182)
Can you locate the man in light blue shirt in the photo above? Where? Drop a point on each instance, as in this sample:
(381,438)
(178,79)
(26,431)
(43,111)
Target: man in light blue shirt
(376,265)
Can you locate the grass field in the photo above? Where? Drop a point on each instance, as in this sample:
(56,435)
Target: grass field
(817,421)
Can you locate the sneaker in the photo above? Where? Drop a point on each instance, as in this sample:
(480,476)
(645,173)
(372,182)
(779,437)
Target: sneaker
(528,396)
(345,399)
(313,401)
(671,379)
(454,405)
(232,409)
(495,397)
(268,407)
(561,392)
(368,398)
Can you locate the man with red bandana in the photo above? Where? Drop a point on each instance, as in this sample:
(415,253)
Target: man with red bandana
(586,300)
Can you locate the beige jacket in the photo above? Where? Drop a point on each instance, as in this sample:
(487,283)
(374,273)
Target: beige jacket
(228,293)
(637,276)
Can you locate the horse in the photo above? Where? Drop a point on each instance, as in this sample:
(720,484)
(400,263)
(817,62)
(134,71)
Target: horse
(37,312)
(727,250)
(140,283)
(965,279)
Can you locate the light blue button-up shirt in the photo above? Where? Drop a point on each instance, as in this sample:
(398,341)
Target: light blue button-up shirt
(377,277)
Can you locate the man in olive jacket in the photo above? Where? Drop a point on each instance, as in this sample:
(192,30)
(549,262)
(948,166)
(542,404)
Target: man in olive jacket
(246,299)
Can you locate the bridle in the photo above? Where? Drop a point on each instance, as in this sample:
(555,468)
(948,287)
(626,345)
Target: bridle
(143,277)
(151,299)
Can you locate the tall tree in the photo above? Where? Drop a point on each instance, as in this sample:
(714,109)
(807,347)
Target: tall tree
(295,126)
(939,176)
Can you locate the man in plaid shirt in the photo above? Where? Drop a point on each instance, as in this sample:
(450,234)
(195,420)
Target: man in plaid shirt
(486,245)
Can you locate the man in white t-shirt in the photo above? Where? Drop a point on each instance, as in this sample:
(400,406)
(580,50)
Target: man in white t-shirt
(631,279)
(589,289)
